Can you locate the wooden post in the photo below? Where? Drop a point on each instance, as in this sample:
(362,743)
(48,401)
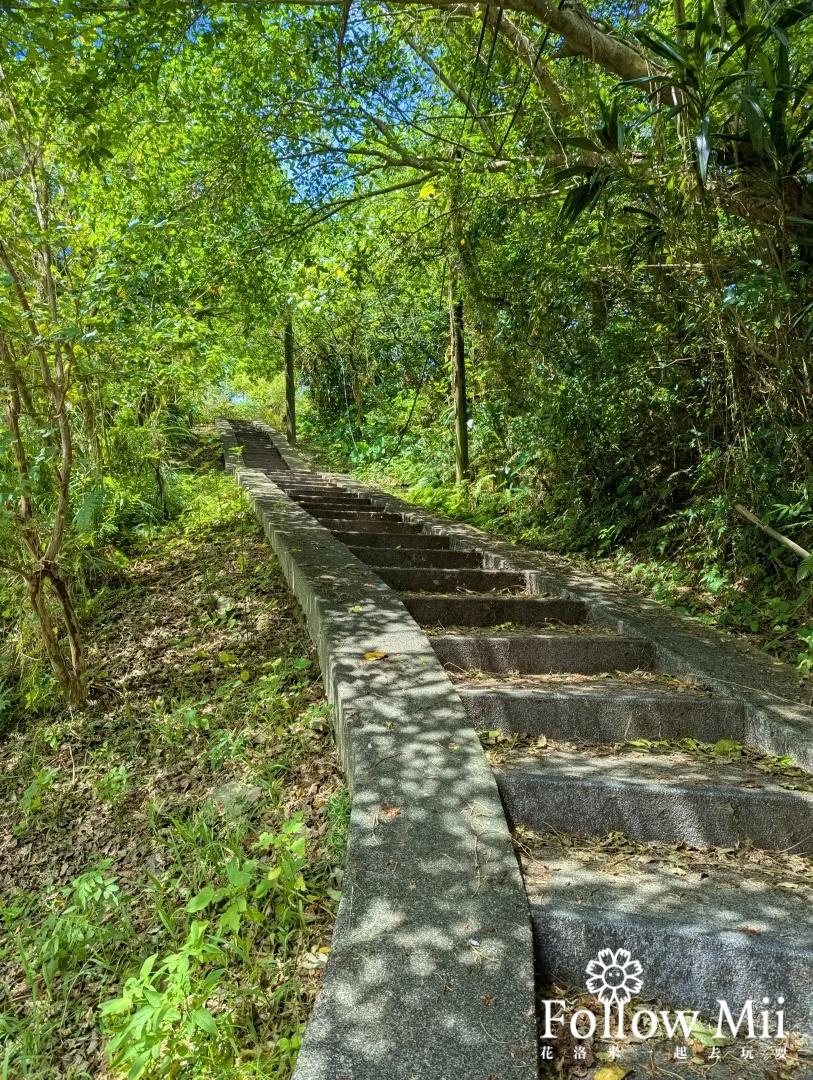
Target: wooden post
(290,398)
(461,426)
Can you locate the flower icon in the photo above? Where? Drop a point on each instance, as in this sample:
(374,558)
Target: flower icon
(614,976)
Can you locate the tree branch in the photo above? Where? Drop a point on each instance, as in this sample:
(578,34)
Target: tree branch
(784,540)
(569,20)
(523,49)
(458,92)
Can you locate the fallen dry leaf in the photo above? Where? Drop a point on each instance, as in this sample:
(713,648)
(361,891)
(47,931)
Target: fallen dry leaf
(612,1072)
(376,655)
(389,811)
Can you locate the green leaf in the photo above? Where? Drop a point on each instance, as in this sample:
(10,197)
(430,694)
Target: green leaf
(204,1021)
(231,917)
(805,569)
(706,1035)
(117,1007)
(726,746)
(89,512)
(139,1065)
(203,899)
(661,45)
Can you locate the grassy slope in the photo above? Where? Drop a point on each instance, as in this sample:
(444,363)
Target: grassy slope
(170,856)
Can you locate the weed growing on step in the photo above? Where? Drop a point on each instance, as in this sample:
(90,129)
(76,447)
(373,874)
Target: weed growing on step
(172,855)
(500,747)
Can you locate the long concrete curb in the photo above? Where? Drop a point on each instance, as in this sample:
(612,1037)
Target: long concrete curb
(777,720)
(430,975)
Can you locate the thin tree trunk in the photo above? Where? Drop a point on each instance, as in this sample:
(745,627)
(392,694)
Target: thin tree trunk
(69,683)
(162,495)
(54,360)
(90,425)
(72,630)
(461,425)
(680,18)
(290,389)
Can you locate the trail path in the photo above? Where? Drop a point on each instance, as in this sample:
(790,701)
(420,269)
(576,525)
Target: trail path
(599,713)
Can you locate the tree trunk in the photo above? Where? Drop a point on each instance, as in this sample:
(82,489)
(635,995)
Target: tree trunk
(72,630)
(52,360)
(680,18)
(290,398)
(70,680)
(461,425)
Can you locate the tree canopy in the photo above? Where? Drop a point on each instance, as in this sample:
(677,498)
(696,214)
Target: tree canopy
(605,215)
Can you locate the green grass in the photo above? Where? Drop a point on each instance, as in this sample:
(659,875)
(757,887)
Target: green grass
(173,853)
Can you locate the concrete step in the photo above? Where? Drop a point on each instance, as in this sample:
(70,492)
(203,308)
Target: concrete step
(322,490)
(677,797)
(493,610)
(332,503)
(259,453)
(327,492)
(355,515)
(718,933)
(437,558)
(355,526)
(281,481)
(298,490)
(671,1058)
(727,930)
(605,712)
(420,580)
(259,457)
(541,654)
(393,539)
(297,487)
(285,473)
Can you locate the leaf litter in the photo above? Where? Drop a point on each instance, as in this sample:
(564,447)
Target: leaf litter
(204,760)
(607,681)
(510,629)
(615,855)
(742,762)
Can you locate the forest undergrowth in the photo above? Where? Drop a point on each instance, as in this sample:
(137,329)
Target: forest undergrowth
(170,855)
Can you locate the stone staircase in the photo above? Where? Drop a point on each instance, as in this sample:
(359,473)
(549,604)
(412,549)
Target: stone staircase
(706,882)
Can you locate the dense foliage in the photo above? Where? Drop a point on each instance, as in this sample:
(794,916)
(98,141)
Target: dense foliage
(615,208)
(547,269)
